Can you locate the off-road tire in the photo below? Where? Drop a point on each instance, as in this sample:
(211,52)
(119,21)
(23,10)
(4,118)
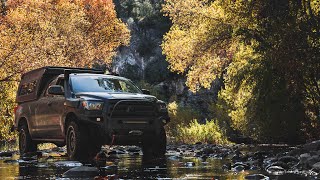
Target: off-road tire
(77,142)
(26,144)
(154,146)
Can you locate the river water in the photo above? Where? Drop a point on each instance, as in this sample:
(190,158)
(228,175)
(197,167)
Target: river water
(181,162)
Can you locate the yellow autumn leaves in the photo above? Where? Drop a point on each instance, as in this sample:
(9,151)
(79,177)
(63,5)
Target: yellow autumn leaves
(198,42)
(37,33)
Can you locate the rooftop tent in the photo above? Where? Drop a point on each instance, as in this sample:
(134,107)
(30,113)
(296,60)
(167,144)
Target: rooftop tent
(33,82)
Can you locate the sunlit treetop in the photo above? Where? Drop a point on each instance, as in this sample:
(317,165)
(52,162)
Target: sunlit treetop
(37,33)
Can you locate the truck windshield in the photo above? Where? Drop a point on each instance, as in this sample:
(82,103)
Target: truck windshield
(102,84)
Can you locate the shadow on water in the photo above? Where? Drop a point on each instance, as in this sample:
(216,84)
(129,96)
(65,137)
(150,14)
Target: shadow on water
(53,164)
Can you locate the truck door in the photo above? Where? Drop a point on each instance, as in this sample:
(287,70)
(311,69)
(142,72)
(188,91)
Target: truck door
(49,114)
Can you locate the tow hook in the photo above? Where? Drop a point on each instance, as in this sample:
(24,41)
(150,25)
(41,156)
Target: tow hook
(135,133)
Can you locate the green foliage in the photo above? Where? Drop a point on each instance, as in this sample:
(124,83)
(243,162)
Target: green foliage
(180,116)
(266,51)
(210,132)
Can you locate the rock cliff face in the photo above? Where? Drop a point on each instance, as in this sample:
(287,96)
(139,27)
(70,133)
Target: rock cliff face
(143,58)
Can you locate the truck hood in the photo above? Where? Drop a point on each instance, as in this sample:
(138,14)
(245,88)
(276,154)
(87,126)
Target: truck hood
(115,95)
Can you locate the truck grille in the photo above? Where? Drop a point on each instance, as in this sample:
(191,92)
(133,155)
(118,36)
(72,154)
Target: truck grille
(131,109)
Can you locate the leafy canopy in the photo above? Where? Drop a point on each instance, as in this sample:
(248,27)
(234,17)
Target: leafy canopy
(267,53)
(36,33)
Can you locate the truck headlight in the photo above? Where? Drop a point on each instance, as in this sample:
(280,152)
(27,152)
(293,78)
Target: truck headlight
(92,105)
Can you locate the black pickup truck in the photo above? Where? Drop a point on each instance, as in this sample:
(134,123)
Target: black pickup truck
(85,109)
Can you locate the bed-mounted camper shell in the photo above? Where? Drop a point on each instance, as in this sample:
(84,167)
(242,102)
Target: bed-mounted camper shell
(33,82)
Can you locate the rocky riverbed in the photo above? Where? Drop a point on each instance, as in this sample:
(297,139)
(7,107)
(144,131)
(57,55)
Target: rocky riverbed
(198,161)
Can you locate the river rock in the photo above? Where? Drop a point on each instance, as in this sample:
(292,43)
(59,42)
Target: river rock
(275,170)
(6,154)
(288,159)
(313,146)
(281,164)
(304,157)
(238,168)
(67,164)
(316,166)
(81,172)
(133,149)
(312,160)
(190,164)
(257,177)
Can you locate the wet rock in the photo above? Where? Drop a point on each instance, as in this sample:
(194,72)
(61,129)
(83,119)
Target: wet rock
(134,149)
(116,151)
(280,164)
(37,154)
(110,168)
(275,170)
(304,157)
(238,168)
(207,151)
(31,159)
(81,172)
(6,154)
(288,159)
(175,158)
(296,151)
(257,177)
(313,146)
(42,165)
(67,164)
(10,161)
(241,164)
(190,164)
(316,166)
(260,155)
(312,160)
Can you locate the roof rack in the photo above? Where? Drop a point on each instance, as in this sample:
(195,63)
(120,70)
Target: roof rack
(56,70)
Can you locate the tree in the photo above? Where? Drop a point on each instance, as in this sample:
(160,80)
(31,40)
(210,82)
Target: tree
(266,52)
(58,32)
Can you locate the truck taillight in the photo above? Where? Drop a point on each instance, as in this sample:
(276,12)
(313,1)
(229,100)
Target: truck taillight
(15,109)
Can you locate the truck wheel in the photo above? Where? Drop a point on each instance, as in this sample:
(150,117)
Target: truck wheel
(155,146)
(161,146)
(76,141)
(26,144)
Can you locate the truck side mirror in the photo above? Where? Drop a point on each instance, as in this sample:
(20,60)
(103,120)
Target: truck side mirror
(56,90)
(145,91)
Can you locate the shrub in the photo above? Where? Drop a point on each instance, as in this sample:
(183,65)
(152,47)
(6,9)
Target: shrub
(205,133)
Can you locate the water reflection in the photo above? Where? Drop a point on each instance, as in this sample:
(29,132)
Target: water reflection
(52,165)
